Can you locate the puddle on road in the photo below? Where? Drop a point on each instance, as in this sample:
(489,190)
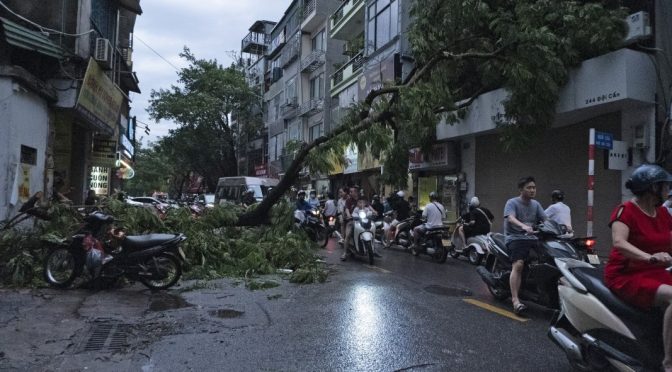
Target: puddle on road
(447,291)
(164,301)
(226,313)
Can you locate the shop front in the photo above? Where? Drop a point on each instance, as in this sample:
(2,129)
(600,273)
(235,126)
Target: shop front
(437,171)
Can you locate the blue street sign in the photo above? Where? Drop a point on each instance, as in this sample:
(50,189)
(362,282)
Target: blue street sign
(604,140)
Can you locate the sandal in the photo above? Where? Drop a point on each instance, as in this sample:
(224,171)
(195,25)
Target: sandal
(519,308)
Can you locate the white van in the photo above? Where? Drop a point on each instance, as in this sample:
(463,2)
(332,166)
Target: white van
(231,189)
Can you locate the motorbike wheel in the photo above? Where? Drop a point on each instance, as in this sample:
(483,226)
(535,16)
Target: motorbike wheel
(453,253)
(321,236)
(61,268)
(441,254)
(369,251)
(474,257)
(166,267)
(498,293)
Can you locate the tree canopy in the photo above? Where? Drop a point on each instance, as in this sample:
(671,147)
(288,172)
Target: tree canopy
(463,48)
(202,104)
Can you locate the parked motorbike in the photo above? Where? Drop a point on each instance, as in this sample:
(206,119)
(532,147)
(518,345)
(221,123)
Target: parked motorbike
(333,227)
(475,248)
(363,236)
(540,274)
(311,222)
(431,244)
(596,330)
(106,253)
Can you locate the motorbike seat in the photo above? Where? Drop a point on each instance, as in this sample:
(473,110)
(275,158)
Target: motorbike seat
(138,242)
(499,239)
(592,279)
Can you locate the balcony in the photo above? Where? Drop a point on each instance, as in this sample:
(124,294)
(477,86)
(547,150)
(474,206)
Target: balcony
(345,75)
(314,15)
(255,43)
(291,51)
(311,107)
(276,44)
(289,108)
(313,61)
(348,20)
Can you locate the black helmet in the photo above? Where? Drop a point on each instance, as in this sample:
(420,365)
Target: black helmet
(558,195)
(376,197)
(300,193)
(645,176)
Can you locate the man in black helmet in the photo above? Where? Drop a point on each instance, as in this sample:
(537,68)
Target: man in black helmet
(559,211)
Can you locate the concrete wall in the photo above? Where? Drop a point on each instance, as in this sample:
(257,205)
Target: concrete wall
(23,121)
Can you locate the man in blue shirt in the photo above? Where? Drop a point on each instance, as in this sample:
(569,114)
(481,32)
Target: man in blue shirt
(521,214)
(301,203)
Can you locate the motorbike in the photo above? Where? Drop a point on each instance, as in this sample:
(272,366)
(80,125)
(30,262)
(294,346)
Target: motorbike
(107,254)
(540,274)
(363,236)
(311,222)
(431,244)
(402,232)
(475,248)
(597,330)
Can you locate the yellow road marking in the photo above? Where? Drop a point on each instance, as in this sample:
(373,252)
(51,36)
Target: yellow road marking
(495,309)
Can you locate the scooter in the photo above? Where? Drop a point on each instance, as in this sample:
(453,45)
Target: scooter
(540,274)
(431,244)
(311,222)
(363,235)
(332,227)
(597,331)
(402,231)
(475,248)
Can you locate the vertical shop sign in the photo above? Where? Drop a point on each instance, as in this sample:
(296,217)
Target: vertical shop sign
(24,186)
(100,180)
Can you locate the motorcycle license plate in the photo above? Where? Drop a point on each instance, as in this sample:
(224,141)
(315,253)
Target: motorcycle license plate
(593,259)
(181,252)
(445,242)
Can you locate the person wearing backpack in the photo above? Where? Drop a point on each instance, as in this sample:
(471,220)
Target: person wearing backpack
(477,221)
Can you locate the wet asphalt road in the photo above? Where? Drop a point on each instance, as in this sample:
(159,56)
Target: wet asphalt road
(406,313)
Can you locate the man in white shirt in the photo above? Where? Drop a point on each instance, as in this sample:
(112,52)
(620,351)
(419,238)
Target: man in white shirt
(434,212)
(559,211)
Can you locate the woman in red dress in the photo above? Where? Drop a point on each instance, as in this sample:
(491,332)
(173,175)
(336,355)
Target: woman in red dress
(642,238)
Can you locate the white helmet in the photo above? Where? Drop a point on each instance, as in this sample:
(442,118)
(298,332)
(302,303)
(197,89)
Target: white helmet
(400,193)
(474,202)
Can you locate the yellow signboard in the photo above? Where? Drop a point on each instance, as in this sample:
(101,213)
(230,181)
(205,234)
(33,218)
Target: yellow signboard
(24,186)
(99,99)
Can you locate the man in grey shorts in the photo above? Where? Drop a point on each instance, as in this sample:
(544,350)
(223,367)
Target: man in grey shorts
(520,215)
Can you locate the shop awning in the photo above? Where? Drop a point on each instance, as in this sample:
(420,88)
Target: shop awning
(22,37)
(132,5)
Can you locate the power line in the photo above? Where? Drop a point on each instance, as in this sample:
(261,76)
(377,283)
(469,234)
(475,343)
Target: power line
(155,52)
(43,29)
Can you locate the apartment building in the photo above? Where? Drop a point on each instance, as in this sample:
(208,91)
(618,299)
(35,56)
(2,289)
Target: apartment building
(66,72)
(295,108)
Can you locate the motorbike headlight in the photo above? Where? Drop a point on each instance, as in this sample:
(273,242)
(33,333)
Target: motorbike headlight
(362,215)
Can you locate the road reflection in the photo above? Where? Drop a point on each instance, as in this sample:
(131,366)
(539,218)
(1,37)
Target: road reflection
(364,328)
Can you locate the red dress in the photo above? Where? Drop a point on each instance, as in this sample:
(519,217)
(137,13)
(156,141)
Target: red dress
(634,281)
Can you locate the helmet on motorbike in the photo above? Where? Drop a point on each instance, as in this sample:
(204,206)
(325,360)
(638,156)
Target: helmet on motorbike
(474,202)
(401,193)
(301,193)
(433,195)
(558,195)
(376,197)
(645,176)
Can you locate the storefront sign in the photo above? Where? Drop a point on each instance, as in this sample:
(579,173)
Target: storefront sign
(99,99)
(100,180)
(104,152)
(350,160)
(127,145)
(260,170)
(440,157)
(375,74)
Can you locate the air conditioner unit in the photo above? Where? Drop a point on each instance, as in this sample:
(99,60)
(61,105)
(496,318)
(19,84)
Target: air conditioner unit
(639,27)
(127,56)
(103,53)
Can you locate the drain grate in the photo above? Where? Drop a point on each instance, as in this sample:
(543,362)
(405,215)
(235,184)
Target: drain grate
(447,291)
(107,336)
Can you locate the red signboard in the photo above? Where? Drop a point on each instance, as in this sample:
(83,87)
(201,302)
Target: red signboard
(260,170)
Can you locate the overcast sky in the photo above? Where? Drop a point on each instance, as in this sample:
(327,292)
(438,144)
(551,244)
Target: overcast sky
(210,28)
